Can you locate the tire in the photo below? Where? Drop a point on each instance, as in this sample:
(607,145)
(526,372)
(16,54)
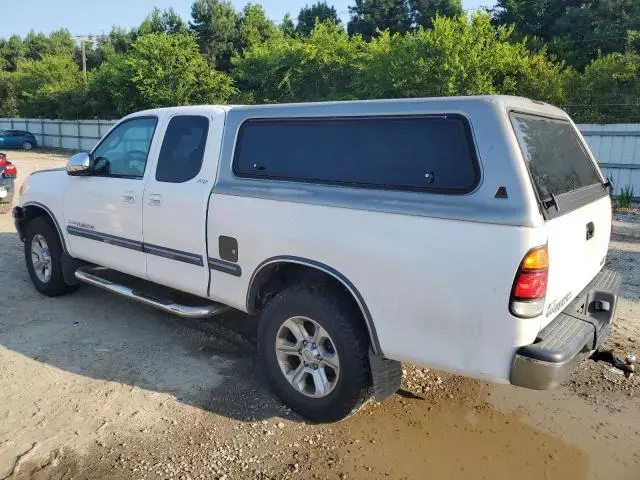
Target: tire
(27,145)
(327,307)
(5,207)
(52,285)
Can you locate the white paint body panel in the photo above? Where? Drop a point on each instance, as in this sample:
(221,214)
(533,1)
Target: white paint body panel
(437,288)
(178,222)
(574,260)
(99,202)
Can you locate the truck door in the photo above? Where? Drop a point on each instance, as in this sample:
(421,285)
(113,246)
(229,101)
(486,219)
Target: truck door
(103,211)
(175,202)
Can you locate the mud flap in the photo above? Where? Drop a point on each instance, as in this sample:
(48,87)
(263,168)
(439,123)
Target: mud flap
(69,267)
(386,374)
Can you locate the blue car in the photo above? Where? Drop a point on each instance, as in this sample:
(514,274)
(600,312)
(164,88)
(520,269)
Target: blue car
(17,139)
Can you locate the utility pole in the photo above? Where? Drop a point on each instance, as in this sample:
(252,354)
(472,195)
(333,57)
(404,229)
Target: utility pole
(83,39)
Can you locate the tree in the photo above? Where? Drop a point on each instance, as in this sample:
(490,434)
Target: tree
(319,67)
(50,87)
(120,39)
(577,30)
(167,71)
(457,57)
(160,70)
(287,27)
(255,27)
(425,11)
(167,21)
(369,16)
(608,91)
(11,52)
(318,12)
(58,43)
(112,93)
(8,101)
(216,23)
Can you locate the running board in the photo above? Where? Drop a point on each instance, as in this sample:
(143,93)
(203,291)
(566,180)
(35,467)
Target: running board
(91,276)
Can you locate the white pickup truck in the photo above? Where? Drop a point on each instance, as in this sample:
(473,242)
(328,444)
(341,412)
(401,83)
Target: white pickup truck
(463,234)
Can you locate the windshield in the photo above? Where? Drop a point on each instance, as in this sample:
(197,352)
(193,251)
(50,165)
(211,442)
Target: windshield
(555,156)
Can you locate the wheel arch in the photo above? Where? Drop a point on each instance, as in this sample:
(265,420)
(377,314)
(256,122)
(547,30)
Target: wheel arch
(267,271)
(31,210)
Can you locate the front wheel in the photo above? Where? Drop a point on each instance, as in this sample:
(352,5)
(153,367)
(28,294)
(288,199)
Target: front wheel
(314,352)
(43,254)
(27,145)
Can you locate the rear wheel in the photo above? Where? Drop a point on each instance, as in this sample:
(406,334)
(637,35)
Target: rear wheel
(43,254)
(27,145)
(314,352)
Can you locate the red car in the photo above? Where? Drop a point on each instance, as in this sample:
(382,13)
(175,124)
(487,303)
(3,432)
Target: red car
(8,173)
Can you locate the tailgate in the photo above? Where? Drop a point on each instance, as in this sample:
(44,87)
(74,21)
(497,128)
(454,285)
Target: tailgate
(575,204)
(578,244)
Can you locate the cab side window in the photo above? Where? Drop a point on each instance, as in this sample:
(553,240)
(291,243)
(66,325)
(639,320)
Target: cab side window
(124,152)
(183,148)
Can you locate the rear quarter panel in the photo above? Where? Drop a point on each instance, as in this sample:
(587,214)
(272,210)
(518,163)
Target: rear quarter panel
(438,290)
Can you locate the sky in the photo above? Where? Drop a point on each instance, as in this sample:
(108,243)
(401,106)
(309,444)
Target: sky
(84,17)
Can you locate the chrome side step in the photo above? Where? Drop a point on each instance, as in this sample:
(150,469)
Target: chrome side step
(91,276)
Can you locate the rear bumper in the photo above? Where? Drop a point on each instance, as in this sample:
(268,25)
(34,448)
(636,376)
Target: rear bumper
(573,335)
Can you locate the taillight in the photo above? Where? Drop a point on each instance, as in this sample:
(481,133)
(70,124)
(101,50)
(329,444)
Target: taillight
(530,285)
(10,170)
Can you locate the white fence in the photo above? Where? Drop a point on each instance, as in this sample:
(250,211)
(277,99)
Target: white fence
(616,146)
(71,134)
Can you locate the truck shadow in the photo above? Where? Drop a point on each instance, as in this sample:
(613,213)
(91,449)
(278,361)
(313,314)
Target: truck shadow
(208,364)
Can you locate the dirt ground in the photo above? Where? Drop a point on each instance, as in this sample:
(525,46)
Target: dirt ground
(94,386)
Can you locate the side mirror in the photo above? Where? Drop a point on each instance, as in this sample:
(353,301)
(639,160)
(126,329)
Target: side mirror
(80,164)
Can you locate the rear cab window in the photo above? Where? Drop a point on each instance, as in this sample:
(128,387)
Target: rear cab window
(562,172)
(183,147)
(414,153)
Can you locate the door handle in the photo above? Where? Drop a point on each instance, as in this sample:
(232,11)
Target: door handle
(155,200)
(129,197)
(591,230)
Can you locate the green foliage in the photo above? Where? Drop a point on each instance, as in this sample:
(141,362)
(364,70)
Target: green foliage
(393,48)
(576,30)
(370,16)
(318,12)
(11,52)
(456,57)
(425,11)
(608,90)
(58,43)
(112,93)
(8,101)
(285,69)
(216,24)
(626,196)
(50,86)
(163,22)
(255,27)
(287,27)
(166,70)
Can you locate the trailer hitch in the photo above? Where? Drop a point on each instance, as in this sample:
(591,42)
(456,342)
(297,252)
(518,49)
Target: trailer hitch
(627,365)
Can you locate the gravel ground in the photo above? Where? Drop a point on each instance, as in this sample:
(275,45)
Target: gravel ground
(94,386)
